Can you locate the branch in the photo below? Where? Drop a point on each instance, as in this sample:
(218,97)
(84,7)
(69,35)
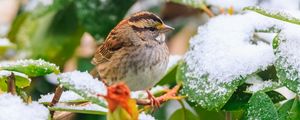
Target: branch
(171,94)
(11,84)
(58,91)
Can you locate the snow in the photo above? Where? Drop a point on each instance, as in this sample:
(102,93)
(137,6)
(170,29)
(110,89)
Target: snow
(173,60)
(236,4)
(223,49)
(12,108)
(289,48)
(5,42)
(83,81)
(5,73)
(263,85)
(28,62)
(89,107)
(280,4)
(33,4)
(65,97)
(288,53)
(143,116)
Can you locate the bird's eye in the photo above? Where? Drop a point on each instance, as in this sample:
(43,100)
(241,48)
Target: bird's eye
(152,28)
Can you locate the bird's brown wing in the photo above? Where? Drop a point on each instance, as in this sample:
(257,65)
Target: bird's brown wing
(106,50)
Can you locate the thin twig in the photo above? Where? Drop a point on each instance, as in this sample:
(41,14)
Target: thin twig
(56,97)
(11,84)
(169,95)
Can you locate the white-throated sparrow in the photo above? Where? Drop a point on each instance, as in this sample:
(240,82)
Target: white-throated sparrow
(134,52)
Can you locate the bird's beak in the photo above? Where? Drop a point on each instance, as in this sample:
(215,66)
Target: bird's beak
(165,28)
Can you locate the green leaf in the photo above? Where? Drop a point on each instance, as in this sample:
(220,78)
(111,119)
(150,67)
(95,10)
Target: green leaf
(275,14)
(52,36)
(238,100)
(283,111)
(204,114)
(290,110)
(180,73)
(210,95)
(294,113)
(98,16)
(170,76)
(183,114)
(85,109)
(192,3)
(275,96)
(260,107)
(21,79)
(31,67)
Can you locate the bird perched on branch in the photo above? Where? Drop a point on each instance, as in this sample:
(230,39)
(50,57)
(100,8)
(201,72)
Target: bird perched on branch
(134,52)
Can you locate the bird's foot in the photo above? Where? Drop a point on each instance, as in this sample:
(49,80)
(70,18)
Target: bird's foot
(154,102)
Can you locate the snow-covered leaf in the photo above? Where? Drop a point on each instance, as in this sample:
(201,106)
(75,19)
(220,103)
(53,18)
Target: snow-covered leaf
(30,67)
(275,14)
(66,96)
(84,85)
(222,55)
(86,108)
(144,116)
(240,98)
(13,108)
(21,79)
(263,86)
(288,58)
(260,107)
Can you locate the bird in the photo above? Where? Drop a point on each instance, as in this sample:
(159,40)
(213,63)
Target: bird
(134,52)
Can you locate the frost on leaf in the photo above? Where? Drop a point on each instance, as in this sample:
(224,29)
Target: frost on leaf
(21,79)
(288,57)
(284,16)
(260,107)
(84,85)
(30,67)
(257,84)
(13,108)
(222,54)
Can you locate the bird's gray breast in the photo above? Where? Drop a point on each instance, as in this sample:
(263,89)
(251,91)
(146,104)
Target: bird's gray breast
(147,67)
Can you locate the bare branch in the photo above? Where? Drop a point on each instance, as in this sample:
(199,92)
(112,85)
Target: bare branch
(56,97)
(11,85)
